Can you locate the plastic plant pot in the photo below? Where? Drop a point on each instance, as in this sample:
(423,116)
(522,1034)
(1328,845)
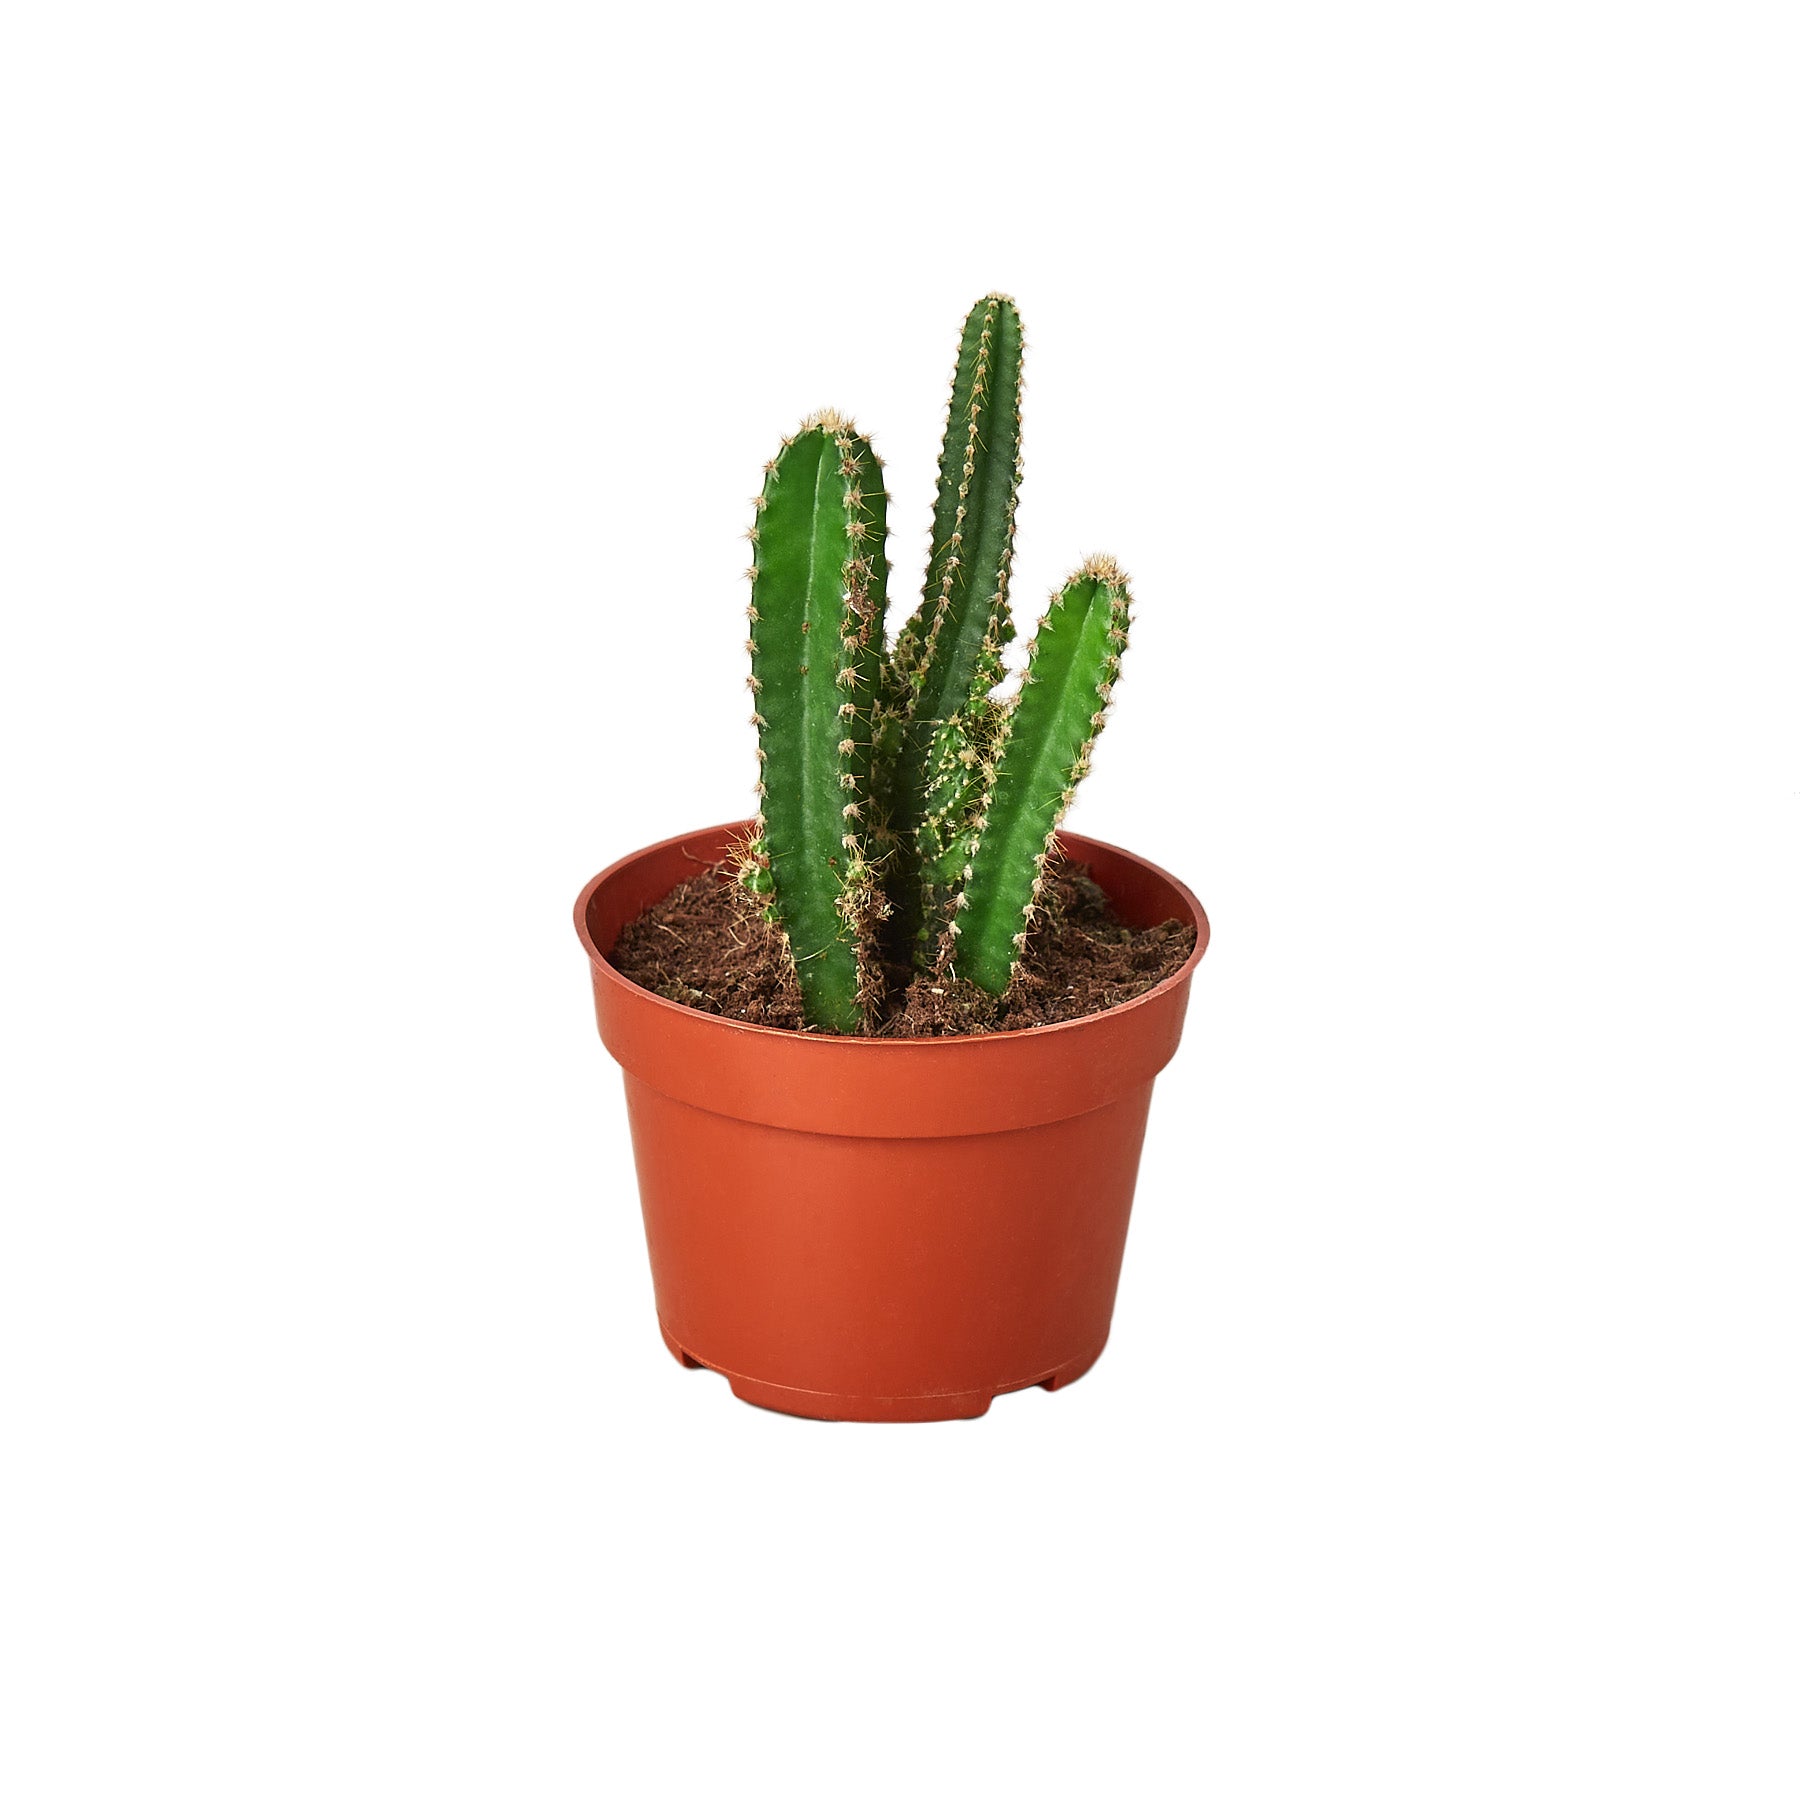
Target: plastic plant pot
(884,1228)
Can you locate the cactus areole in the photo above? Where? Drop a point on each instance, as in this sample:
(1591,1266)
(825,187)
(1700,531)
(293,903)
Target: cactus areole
(851,1225)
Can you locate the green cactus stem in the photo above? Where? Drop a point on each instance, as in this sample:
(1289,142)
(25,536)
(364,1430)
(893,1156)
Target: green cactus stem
(1046,741)
(817,614)
(955,757)
(952,789)
(937,660)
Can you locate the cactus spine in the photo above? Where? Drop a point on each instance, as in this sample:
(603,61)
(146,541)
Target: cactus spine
(817,614)
(900,788)
(1046,741)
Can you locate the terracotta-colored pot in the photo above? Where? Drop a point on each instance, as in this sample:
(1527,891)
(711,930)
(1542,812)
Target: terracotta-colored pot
(884,1228)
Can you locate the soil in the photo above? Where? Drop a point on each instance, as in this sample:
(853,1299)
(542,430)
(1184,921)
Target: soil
(705,945)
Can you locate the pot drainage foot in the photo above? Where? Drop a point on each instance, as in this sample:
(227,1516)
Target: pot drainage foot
(915,1409)
(676,1351)
(858,1408)
(1071,1371)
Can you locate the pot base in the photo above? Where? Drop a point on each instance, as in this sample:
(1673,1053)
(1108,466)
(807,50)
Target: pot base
(914,1409)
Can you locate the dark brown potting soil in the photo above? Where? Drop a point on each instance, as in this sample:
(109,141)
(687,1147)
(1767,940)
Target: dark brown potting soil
(706,946)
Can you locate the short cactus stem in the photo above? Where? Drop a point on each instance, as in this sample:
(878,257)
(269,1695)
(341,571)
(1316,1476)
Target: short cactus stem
(818,609)
(943,839)
(956,755)
(1046,742)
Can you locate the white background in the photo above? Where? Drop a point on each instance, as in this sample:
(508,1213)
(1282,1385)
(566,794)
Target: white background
(384,391)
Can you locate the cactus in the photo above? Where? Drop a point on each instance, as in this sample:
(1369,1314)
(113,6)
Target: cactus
(817,611)
(1046,741)
(956,758)
(902,807)
(970,562)
(947,654)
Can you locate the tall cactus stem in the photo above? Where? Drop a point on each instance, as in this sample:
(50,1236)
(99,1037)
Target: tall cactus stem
(938,658)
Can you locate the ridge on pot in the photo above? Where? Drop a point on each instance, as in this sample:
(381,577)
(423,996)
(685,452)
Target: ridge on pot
(884,1228)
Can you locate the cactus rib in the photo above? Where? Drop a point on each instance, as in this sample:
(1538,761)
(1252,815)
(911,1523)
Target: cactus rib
(1046,742)
(818,607)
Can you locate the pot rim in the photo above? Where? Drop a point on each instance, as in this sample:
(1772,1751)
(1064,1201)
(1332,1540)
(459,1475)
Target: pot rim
(643,996)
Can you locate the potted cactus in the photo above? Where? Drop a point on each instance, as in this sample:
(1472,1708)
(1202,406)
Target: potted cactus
(849,1219)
